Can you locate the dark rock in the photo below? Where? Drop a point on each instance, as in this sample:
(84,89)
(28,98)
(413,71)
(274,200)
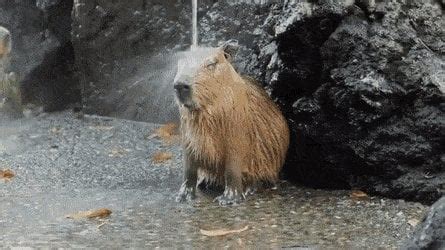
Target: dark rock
(430,234)
(43,55)
(133,77)
(125,54)
(365,99)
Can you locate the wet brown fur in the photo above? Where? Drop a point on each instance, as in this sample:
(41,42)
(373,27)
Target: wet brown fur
(234,123)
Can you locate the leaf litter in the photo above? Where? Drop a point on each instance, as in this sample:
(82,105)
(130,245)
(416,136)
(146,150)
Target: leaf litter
(168,133)
(6,175)
(90,214)
(358,195)
(161,157)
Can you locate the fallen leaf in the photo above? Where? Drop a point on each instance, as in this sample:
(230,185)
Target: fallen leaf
(222,232)
(167,132)
(357,194)
(6,174)
(91,214)
(413,222)
(160,157)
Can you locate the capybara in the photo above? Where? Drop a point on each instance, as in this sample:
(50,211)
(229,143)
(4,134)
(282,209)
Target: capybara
(9,86)
(5,42)
(233,135)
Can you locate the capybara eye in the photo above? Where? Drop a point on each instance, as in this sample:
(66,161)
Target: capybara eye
(211,63)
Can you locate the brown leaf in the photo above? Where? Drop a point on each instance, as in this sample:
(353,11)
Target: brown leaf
(160,157)
(167,132)
(91,214)
(357,194)
(222,232)
(6,174)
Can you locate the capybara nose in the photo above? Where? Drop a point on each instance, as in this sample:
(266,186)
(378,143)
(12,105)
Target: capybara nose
(181,87)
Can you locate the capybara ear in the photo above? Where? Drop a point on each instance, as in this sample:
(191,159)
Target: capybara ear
(230,48)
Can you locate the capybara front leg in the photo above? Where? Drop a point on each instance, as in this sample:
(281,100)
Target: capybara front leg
(188,187)
(233,192)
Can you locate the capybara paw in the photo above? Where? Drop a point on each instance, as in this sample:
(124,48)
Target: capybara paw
(230,197)
(250,191)
(185,194)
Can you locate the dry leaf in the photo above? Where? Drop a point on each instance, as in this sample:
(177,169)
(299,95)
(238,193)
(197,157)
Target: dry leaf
(91,214)
(160,157)
(357,194)
(167,132)
(6,174)
(222,232)
(413,222)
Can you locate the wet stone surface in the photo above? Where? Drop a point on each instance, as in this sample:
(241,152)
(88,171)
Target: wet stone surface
(64,165)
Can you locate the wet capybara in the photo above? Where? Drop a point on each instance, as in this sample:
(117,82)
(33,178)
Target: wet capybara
(233,134)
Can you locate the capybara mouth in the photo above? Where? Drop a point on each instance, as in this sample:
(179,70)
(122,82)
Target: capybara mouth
(190,106)
(185,99)
(185,102)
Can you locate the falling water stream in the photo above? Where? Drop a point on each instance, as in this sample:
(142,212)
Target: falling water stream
(194,24)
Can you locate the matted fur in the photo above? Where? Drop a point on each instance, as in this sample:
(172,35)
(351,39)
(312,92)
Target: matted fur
(234,122)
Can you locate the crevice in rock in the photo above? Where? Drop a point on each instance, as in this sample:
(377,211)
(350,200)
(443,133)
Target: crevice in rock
(53,83)
(301,75)
(43,54)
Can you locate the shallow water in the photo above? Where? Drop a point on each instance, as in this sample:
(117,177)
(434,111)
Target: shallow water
(64,165)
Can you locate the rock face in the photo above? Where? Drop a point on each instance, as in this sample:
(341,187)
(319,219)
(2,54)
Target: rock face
(430,234)
(127,52)
(366,101)
(43,55)
(361,82)
(118,51)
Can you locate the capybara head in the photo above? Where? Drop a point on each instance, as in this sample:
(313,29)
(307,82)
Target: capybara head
(202,73)
(5,42)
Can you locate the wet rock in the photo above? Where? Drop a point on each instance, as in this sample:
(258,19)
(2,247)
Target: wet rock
(133,79)
(364,98)
(43,55)
(430,234)
(140,38)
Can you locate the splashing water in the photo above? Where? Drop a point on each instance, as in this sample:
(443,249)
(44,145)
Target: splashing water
(194,24)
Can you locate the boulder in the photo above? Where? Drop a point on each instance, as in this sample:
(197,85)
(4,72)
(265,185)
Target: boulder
(365,101)
(43,55)
(430,234)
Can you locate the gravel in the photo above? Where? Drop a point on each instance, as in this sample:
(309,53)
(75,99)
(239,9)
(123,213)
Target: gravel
(64,165)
